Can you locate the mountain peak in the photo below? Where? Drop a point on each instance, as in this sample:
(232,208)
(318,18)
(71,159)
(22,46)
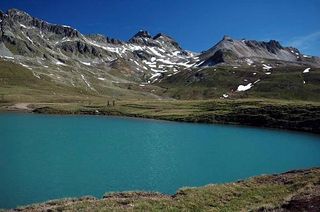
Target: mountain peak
(161,35)
(142,34)
(275,44)
(227,38)
(16,12)
(15,17)
(165,38)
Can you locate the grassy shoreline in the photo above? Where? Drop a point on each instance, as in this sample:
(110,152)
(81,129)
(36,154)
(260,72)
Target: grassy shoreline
(294,190)
(297,190)
(297,116)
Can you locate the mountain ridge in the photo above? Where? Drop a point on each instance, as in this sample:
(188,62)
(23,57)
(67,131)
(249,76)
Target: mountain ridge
(100,64)
(20,15)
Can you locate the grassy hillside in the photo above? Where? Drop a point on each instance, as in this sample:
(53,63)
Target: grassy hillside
(20,84)
(289,83)
(291,191)
(279,100)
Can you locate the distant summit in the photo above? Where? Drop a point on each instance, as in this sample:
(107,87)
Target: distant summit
(142,34)
(232,51)
(56,50)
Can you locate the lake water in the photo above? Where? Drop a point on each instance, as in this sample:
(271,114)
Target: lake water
(46,157)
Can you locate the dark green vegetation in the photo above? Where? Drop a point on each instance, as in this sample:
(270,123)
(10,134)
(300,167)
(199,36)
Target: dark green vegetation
(291,191)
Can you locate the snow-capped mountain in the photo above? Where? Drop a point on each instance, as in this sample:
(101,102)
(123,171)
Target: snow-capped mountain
(37,44)
(69,57)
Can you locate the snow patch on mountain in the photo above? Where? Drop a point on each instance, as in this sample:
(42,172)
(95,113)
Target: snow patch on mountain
(307,70)
(85,63)
(244,87)
(266,67)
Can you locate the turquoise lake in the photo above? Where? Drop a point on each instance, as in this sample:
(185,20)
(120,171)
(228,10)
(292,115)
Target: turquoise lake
(46,157)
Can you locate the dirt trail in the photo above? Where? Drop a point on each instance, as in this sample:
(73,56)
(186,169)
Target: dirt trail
(20,106)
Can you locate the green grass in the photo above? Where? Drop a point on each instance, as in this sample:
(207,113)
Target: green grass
(294,115)
(283,83)
(279,100)
(18,84)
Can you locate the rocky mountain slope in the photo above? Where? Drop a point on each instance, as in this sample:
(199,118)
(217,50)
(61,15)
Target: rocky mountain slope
(251,52)
(36,44)
(145,66)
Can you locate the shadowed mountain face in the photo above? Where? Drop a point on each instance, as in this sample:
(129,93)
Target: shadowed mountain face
(98,63)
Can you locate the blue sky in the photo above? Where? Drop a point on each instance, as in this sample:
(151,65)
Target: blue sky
(195,24)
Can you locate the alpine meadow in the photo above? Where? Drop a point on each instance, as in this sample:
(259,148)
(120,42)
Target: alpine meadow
(90,122)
